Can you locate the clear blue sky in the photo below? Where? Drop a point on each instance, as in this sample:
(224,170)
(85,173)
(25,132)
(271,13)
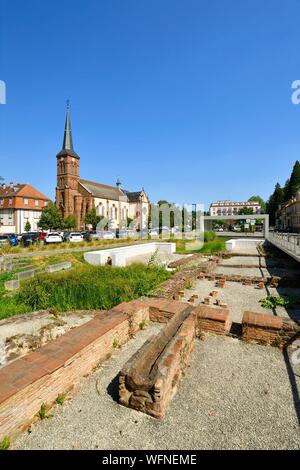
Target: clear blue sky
(188,98)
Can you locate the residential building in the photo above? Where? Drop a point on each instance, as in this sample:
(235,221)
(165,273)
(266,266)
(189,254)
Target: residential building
(288,215)
(78,196)
(19,204)
(222,208)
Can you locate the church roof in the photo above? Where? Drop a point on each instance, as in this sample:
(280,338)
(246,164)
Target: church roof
(103,190)
(133,196)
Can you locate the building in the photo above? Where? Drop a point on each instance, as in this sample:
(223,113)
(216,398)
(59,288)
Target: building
(288,215)
(220,208)
(19,204)
(76,196)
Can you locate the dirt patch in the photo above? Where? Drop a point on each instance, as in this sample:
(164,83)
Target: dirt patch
(25,333)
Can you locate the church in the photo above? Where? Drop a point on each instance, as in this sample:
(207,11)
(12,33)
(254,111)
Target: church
(76,196)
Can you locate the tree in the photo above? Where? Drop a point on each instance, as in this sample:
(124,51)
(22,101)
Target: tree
(129,221)
(92,218)
(51,218)
(286,190)
(260,201)
(246,211)
(70,222)
(277,198)
(294,181)
(27,226)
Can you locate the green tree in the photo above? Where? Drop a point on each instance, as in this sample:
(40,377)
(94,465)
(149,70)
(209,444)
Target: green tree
(286,190)
(277,198)
(70,222)
(129,220)
(246,211)
(27,226)
(51,218)
(261,202)
(92,218)
(294,181)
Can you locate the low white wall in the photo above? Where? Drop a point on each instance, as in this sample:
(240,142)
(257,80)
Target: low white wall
(241,243)
(120,255)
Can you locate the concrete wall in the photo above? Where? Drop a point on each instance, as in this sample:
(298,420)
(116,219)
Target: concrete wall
(119,256)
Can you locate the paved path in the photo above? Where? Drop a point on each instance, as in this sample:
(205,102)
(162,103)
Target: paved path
(233,396)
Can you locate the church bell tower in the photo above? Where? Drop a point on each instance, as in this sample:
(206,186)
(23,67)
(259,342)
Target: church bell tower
(67,172)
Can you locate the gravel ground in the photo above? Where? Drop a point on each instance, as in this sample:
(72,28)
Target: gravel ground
(240,298)
(233,396)
(240,260)
(265,272)
(228,268)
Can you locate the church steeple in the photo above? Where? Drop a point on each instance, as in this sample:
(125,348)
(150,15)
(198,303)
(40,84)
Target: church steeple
(67,148)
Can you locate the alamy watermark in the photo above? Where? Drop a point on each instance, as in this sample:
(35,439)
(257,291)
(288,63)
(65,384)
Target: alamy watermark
(2,92)
(160,221)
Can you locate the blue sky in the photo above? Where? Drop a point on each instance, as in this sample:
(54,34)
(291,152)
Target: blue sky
(189,98)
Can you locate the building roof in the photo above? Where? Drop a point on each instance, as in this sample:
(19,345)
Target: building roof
(67,148)
(103,191)
(22,190)
(133,196)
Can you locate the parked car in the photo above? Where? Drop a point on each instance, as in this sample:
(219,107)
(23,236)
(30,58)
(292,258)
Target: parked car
(30,238)
(53,237)
(13,239)
(107,235)
(94,235)
(237,229)
(154,232)
(65,236)
(124,233)
(4,240)
(75,237)
(87,235)
(42,235)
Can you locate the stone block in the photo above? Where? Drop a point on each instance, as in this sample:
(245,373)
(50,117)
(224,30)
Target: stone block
(12,285)
(58,267)
(26,274)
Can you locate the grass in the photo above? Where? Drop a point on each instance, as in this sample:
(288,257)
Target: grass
(212,244)
(61,398)
(43,412)
(84,287)
(5,443)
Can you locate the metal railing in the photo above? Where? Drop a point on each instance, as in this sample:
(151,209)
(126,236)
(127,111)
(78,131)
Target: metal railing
(289,242)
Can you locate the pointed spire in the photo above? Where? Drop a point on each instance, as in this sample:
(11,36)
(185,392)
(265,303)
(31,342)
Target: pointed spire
(67,148)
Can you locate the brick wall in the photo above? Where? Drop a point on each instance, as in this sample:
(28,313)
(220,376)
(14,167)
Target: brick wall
(55,368)
(268,329)
(216,320)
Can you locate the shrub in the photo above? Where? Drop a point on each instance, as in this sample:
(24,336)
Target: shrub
(209,236)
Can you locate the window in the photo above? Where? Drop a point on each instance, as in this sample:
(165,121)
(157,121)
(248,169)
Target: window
(36,203)
(45,203)
(1,202)
(25,202)
(10,201)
